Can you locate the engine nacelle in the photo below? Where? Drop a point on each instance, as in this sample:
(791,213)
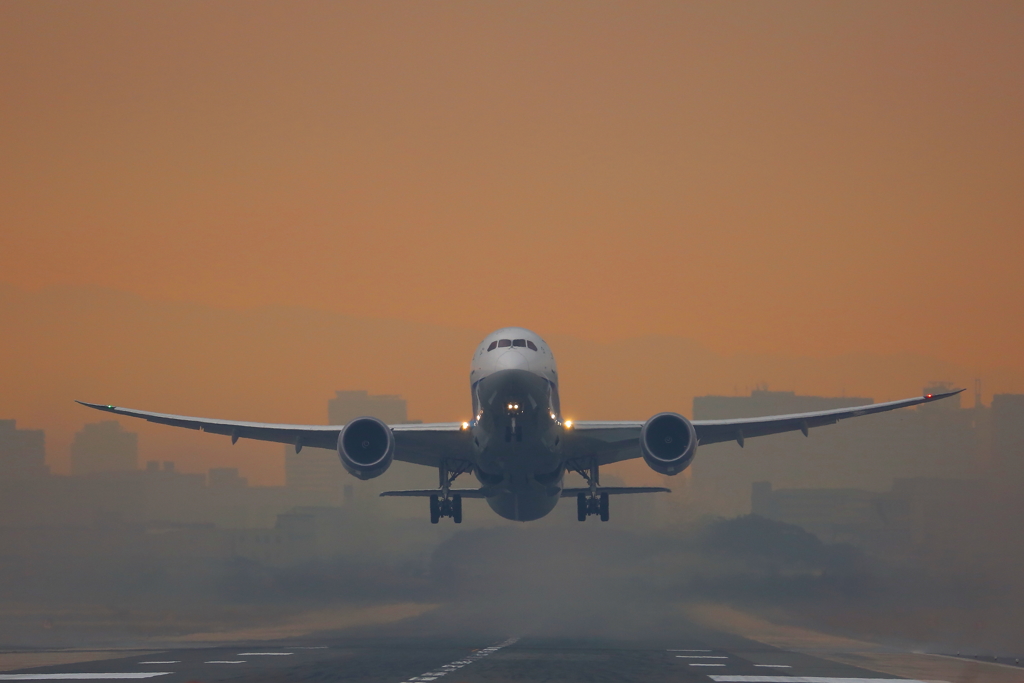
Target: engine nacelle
(366,447)
(668,443)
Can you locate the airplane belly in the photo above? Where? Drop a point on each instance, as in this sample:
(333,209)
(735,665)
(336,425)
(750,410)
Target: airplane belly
(523,506)
(517,438)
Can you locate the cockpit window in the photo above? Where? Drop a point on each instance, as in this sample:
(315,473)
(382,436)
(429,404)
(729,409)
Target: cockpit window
(531,345)
(504,342)
(493,344)
(518,342)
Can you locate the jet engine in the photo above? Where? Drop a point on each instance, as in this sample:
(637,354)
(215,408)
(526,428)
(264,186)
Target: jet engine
(668,443)
(366,447)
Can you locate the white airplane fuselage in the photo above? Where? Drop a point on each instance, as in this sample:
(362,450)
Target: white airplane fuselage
(517,424)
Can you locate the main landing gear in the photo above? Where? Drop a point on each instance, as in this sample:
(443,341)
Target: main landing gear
(591,505)
(595,502)
(445,504)
(446,507)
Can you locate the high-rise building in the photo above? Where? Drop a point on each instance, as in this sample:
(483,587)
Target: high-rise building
(22,452)
(104,447)
(1008,438)
(348,405)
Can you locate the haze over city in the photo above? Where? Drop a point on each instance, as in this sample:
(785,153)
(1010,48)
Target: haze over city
(236,210)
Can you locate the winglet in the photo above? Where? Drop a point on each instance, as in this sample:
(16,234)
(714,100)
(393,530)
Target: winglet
(946,394)
(97,406)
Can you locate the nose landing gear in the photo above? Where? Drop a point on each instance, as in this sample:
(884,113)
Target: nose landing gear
(446,507)
(591,505)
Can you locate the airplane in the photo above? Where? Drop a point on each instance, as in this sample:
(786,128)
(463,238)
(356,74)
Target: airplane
(518,445)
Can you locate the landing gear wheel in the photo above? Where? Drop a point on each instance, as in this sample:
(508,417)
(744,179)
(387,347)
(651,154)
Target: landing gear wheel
(457,509)
(604,507)
(581,507)
(435,510)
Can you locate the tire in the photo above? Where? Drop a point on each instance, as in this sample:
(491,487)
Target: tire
(581,507)
(457,509)
(435,510)
(604,507)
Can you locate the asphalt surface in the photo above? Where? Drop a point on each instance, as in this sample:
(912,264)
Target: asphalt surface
(410,653)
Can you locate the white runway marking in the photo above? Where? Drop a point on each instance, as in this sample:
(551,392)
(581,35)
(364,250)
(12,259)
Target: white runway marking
(226,661)
(807,679)
(459,663)
(264,654)
(80,677)
(174,661)
(702,664)
(688,650)
(774,666)
(701,657)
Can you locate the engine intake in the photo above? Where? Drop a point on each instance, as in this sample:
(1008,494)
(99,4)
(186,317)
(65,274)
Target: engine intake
(668,443)
(366,447)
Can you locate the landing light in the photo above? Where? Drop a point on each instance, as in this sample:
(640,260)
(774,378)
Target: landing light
(568,424)
(465,425)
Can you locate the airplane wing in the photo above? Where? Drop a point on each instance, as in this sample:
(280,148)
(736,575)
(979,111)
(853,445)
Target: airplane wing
(421,444)
(616,441)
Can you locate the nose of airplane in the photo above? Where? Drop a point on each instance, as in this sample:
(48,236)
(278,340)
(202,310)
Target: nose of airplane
(513,359)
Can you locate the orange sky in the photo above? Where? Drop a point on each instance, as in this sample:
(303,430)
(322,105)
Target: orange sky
(811,179)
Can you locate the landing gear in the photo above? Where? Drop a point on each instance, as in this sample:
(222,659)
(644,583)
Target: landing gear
(446,507)
(594,503)
(445,504)
(591,505)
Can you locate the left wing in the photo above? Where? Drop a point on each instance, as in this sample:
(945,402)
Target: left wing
(616,441)
(421,444)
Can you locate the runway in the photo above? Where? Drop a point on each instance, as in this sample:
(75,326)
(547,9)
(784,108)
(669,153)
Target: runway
(394,655)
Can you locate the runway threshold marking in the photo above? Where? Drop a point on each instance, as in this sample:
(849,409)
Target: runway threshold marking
(81,677)
(459,663)
(807,679)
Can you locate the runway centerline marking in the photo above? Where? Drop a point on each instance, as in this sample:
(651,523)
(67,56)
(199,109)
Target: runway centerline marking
(81,677)
(459,663)
(701,657)
(774,666)
(225,661)
(688,650)
(704,664)
(173,661)
(263,654)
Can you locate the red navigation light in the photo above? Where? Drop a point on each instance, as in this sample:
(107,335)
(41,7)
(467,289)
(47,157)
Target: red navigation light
(927,395)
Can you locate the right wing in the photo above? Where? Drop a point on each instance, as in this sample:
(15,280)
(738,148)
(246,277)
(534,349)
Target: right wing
(421,444)
(610,442)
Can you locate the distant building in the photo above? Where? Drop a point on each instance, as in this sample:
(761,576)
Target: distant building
(104,447)
(828,513)
(348,405)
(1008,438)
(763,402)
(22,452)
(865,453)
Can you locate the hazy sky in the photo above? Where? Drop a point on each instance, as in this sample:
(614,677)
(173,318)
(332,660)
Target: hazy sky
(809,178)
(815,177)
